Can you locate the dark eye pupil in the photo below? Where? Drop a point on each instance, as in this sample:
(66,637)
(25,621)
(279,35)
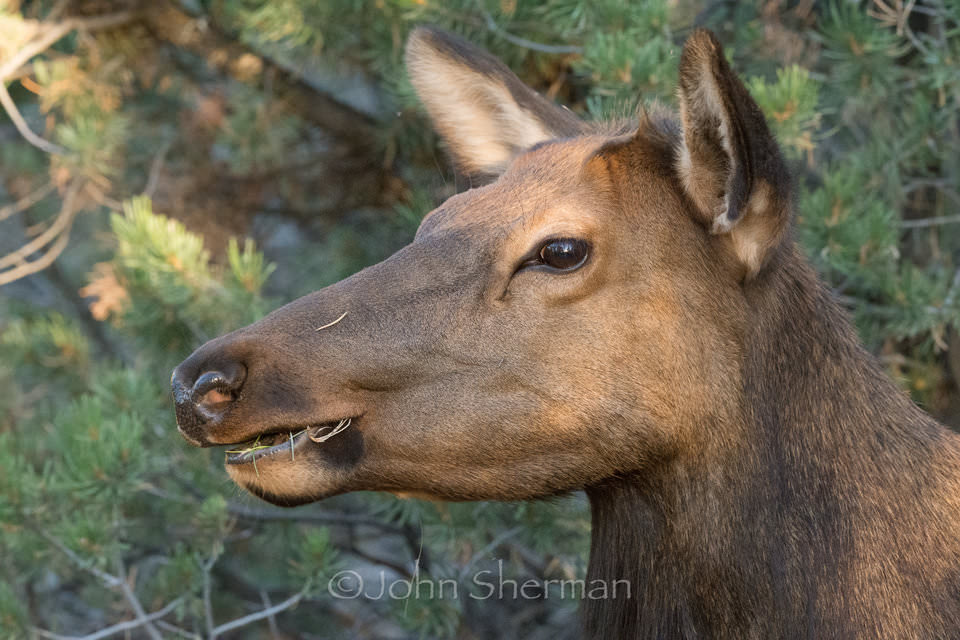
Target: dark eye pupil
(566,253)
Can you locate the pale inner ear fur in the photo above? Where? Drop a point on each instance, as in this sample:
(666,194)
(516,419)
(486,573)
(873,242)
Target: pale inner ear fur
(476,115)
(706,106)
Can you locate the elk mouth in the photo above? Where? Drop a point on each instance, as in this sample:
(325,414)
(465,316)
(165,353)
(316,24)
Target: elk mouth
(284,440)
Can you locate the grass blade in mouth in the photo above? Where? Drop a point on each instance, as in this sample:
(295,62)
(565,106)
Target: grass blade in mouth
(292,437)
(256,446)
(249,452)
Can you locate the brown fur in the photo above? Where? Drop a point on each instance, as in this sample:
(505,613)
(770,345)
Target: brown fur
(751,470)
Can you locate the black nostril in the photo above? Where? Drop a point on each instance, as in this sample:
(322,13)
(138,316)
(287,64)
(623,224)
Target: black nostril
(214,390)
(212,383)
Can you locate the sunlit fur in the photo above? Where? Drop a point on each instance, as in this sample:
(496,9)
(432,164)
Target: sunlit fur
(751,469)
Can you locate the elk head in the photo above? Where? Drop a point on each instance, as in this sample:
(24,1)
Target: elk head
(578,317)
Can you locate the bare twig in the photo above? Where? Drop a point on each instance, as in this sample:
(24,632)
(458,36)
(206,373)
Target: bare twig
(271,620)
(24,268)
(134,603)
(290,602)
(14,265)
(393,566)
(26,202)
(155,168)
(207,602)
(172,628)
(921,223)
(57,9)
(115,629)
(948,300)
(920,183)
(11,108)
(62,222)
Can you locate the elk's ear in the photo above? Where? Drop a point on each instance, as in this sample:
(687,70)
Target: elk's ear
(484,113)
(728,161)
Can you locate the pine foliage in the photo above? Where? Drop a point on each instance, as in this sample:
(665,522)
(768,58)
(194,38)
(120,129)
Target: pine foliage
(96,486)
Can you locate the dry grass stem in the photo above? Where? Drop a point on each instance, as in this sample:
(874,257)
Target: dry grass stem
(330,324)
(341,426)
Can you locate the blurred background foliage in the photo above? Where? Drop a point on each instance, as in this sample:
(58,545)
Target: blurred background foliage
(173,169)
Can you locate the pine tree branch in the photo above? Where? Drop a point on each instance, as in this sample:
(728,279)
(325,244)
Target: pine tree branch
(111,581)
(201,35)
(354,155)
(263,515)
(108,345)
(107,579)
(53,32)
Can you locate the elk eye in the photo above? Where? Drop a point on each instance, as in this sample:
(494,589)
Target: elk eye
(564,254)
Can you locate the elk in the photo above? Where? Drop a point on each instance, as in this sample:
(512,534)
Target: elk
(619,308)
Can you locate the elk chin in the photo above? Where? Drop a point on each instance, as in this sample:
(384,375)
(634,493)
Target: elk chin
(290,468)
(288,483)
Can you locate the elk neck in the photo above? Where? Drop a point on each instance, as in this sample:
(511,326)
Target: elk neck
(775,531)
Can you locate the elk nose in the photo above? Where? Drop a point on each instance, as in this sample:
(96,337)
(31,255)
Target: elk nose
(203,398)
